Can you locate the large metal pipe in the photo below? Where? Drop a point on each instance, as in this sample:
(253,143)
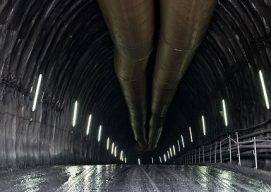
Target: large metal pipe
(183,26)
(131,23)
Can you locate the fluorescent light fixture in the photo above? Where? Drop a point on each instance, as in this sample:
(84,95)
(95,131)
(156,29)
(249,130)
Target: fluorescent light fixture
(88,125)
(168,156)
(37,93)
(115,151)
(203,125)
(160,159)
(264,90)
(165,158)
(121,155)
(170,151)
(191,136)
(179,147)
(225,112)
(74,113)
(112,148)
(182,141)
(125,160)
(99,133)
(138,161)
(174,150)
(107,143)
(152,160)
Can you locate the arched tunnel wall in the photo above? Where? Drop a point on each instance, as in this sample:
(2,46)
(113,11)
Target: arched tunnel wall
(226,66)
(68,43)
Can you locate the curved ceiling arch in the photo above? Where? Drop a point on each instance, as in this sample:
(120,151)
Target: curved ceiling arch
(68,43)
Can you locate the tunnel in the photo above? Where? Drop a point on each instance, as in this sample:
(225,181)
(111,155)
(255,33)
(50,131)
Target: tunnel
(71,118)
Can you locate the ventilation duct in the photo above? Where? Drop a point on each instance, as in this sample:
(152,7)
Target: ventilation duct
(131,23)
(183,26)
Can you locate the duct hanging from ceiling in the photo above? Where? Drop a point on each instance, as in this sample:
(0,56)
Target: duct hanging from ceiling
(131,24)
(183,26)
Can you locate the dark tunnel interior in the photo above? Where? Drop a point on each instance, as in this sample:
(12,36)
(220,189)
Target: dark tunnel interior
(65,47)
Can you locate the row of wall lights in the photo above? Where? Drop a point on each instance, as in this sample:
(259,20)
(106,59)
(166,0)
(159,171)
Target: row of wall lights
(225,115)
(74,119)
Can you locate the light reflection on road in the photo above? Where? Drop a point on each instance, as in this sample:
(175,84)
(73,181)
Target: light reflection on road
(101,178)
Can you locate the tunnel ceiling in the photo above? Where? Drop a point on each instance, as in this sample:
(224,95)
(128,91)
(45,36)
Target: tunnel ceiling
(68,43)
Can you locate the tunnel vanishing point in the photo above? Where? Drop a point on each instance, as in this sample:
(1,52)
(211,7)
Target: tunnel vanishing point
(124,82)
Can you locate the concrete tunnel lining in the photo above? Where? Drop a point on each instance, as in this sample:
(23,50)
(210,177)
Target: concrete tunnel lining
(69,44)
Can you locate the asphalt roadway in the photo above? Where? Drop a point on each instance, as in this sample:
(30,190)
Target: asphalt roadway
(131,178)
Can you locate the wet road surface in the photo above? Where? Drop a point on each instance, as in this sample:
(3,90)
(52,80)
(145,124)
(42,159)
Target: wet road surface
(129,178)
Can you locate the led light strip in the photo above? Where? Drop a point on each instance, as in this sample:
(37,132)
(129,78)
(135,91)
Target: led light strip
(191,136)
(75,113)
(264,90)
(107,143)
(37,93)
(138,161)
(100,133)
(179,147)
(225,112)
(182,141)
(203,125)
(88,124)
